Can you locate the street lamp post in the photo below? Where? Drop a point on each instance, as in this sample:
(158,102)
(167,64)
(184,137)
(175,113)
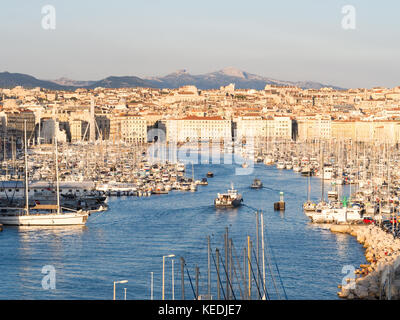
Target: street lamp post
(115,282)
(163,274)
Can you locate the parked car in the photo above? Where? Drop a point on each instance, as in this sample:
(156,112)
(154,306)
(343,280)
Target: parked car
(368,220)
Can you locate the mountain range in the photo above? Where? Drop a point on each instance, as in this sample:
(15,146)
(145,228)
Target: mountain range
(213,80)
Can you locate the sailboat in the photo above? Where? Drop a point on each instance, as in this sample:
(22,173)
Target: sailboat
(42,215)
(309,206)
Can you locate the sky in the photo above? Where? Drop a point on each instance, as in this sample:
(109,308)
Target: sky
(295,40)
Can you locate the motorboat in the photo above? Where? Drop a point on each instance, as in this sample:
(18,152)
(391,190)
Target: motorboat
(257,184)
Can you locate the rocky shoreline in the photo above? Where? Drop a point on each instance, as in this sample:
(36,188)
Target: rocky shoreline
(380,279)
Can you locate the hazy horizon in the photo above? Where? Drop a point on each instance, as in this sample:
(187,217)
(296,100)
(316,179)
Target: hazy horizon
(286,40)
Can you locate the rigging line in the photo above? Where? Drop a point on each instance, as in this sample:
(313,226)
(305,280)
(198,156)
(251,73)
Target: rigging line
(227,277)
(280,279)
(190,280)
(234,270)
(5,191)
(272,276)
(272,253)
(258,267)
(252,272)
(219,279)
(237,262)
(237,279)
(275,262)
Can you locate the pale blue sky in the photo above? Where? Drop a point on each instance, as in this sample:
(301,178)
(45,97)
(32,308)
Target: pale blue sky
(286,39)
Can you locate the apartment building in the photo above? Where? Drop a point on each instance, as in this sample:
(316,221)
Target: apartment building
(128,128)
(251,126)
(314,127)
(193,128)
(77,128)
(367,131)
(280,127)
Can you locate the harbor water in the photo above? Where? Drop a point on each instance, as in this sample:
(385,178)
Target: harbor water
(128,241)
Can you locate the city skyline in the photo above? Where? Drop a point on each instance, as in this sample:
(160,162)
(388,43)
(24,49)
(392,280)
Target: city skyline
(286,41)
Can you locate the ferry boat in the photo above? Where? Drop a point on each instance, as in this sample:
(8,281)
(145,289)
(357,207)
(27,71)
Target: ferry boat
(230,199)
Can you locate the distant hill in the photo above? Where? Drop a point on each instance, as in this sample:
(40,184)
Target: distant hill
(72,83)
(213,80)
(11,80)
(122,82)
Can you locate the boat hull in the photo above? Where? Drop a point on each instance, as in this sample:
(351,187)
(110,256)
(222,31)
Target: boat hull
(44,220)
(233,204)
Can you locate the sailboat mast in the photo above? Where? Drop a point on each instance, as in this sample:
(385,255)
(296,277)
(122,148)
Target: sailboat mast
(58,183)
(323,175)
(26,172)
(263,258)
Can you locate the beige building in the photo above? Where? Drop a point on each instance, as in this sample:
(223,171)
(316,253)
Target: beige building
(128,128)
(77,129)
(195,128)
(366,131)
(251,127)
(276,127)
(314,127)
(279,127)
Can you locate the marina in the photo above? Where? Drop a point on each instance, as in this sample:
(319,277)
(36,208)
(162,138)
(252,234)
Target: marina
(178,223)
(200,153)
(342,193)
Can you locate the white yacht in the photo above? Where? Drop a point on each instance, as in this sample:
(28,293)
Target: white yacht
(42,215)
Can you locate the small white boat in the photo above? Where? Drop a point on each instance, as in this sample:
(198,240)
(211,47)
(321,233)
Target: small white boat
(280,165)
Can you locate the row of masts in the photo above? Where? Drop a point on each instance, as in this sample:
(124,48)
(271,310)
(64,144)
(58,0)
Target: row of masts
(234,279)
(27,178)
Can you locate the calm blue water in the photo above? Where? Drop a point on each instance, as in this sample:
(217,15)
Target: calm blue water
(129,240)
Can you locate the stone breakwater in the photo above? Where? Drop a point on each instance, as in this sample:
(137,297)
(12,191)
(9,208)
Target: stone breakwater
(380,279)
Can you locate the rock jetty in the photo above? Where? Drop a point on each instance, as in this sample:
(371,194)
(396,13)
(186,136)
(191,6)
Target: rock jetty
(380,279)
